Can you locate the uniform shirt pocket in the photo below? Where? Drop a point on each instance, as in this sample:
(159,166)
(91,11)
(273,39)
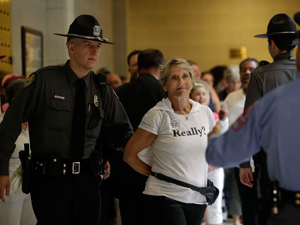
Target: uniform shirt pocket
(58,114)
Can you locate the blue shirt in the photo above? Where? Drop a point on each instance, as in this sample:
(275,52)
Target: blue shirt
(271,123)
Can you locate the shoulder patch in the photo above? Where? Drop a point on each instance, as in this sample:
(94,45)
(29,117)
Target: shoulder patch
(29,80)
(242,120)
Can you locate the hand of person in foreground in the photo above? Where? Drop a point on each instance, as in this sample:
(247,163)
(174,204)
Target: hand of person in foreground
(246,176)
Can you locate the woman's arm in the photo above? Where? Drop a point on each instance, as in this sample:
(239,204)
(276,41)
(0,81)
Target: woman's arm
(140,140)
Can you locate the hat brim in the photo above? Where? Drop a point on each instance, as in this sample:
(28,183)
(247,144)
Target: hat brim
(2,56)
(102,40)
(275,34)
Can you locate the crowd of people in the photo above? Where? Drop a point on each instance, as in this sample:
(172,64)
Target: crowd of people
(155,141)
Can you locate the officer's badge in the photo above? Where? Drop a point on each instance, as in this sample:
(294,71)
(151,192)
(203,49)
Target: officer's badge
(29,80)
(174,123)
(96,102)
(96,30)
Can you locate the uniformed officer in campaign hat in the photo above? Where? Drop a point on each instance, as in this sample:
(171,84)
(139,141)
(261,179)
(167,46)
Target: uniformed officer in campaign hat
(282,39)
(270,124)
(68,109)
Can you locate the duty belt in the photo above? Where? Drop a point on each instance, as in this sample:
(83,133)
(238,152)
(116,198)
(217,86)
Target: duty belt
(55,166)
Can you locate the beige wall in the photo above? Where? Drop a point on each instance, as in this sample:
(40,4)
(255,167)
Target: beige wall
(203,30)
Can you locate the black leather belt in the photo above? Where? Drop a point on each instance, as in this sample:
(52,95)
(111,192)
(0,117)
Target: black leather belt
(290,197)
(53,165)
(75,167)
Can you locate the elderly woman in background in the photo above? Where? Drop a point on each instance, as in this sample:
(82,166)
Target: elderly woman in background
(233,79)
(176,130)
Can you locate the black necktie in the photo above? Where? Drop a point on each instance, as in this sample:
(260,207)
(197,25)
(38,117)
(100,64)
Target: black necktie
(78,130)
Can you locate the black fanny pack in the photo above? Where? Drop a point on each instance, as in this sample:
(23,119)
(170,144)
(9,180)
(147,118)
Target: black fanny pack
(210,192)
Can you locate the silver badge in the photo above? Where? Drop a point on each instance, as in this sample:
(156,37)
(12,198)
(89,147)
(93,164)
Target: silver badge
(96,30)
(96,100)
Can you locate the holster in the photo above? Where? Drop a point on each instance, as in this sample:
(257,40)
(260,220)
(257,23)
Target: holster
(96,163)
(26,168)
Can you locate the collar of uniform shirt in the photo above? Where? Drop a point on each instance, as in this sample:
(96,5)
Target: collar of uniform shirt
(73,77)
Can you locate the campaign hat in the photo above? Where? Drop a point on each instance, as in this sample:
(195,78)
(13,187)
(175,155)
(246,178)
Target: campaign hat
(86,27)
(280,24)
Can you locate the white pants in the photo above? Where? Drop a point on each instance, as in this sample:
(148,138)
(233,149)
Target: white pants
(214,211)
(17,208)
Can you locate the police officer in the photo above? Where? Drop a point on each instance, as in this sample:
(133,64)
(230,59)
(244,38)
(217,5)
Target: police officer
(65,181)
(271,124)
(282,39)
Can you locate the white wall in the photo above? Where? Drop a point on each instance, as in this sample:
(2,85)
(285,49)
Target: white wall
(55,16)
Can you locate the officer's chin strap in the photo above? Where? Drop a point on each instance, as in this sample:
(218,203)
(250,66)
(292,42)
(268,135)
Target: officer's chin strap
(275,197)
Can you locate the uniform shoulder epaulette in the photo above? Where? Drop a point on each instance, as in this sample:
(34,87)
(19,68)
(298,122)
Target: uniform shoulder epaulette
(263,63)
(49,68)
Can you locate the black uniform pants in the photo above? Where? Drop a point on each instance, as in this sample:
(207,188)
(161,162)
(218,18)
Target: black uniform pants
(131,203)
(161,210)
(249,201)
(63,200)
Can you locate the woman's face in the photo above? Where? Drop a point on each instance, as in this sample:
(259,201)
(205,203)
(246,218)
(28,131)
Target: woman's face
(200,95)
(179,82)
(208,78)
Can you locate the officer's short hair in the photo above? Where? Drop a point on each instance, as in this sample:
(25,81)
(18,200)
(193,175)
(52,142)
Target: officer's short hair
(284,42)
(249,59)
(232,72)
(132,54)
(150,58)
(13,88)
(165,68)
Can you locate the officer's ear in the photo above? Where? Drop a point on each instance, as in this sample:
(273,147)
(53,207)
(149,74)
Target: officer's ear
(70,46)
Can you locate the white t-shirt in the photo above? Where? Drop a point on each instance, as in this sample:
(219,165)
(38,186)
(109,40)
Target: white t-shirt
(235,103)
(178,150)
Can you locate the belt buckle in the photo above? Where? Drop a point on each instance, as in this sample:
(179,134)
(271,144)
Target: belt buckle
(75,167)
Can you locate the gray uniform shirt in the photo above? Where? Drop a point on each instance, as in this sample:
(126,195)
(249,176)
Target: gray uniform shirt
(268,77)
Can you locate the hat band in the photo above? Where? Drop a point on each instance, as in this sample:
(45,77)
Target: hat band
(88,37)
(283,32)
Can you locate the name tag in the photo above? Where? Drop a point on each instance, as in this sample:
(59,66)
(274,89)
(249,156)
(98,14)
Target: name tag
(59,97)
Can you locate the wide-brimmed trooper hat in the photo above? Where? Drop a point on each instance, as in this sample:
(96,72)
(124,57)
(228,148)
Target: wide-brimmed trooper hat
(280,24)
(86,27)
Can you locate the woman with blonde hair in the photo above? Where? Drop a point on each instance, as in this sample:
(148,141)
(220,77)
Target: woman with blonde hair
(176,131)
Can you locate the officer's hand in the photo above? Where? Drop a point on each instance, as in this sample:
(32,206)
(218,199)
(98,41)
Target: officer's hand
(246,176)
(4,186)
(107,170)
(216,129)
